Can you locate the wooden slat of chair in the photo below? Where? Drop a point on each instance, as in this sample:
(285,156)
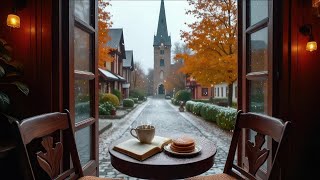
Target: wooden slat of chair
(264,126)
(43,126)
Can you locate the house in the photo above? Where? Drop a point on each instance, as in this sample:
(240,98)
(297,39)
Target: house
(128,67)
(111,75)
(56,43)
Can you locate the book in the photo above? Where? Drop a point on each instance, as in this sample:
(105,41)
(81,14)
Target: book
(135,149)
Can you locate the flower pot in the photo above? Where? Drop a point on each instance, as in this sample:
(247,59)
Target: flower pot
(113,112)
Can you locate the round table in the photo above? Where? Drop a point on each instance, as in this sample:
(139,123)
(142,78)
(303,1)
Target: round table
(164,165)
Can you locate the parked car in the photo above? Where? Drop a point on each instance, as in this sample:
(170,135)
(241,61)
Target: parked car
(168,96)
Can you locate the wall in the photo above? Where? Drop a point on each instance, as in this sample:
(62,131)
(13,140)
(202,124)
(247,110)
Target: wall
(32,45)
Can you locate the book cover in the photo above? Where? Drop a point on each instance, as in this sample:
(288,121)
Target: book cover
(135,149)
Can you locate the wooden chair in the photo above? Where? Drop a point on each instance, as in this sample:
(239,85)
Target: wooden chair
(55,132)
(264,126)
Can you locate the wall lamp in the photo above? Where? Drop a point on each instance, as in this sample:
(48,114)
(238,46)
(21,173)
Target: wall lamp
(306,30)
(13,20)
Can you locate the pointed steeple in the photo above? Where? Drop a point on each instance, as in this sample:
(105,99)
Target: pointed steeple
(162,31)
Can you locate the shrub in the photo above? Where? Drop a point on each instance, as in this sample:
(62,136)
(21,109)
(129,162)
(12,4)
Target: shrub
(105,108)
(220,101)
(117,93)
(183,95)
(226,118)
(113,99)
(135,100)
(175,101)
(82,108)
(128,103)
(137,94)
(197,108)
(202,100)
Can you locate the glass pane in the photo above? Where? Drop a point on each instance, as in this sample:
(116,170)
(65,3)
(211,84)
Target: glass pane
(82,100)
(258,10)
(82,50)
(83,141)
(82,10)
(258,51)
(258,96)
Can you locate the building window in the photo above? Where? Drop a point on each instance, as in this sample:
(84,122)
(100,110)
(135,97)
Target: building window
(161,74)
(227,91)
(221,91)
(161,51)
(161,62)
(218,94)
(204,91)
(215,92)
(236,92)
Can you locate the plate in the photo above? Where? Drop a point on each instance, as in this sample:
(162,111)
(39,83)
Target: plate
(197,149)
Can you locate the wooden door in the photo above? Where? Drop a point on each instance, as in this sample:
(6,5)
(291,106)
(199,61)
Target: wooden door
(256,67)
(79,43)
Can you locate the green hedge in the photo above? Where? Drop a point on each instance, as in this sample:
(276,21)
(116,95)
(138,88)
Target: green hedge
(117,93)
(137,94)
(175,102)
(135,100)
(128,103)
(224,117)
(202,100)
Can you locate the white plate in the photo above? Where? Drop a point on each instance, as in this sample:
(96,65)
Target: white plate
(197,149)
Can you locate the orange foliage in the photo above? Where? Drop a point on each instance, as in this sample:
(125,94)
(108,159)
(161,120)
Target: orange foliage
(213,40)
(104,24)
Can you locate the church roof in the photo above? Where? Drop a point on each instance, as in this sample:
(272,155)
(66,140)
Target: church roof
(162,31)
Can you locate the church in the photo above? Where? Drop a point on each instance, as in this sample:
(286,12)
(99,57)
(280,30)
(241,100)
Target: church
(162,53)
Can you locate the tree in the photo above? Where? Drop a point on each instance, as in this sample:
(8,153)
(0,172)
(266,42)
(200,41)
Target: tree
(104,23)
(213,39)
(139,80)
(150,82)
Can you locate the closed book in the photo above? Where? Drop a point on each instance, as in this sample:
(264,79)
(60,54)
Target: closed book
(140,151)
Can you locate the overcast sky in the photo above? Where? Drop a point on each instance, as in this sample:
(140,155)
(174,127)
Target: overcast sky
(139,20)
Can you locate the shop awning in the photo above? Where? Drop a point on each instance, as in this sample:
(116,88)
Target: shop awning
(108,75)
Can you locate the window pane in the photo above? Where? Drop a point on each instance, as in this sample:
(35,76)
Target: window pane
(82,50)
(204,91)
(161,62)
(258,54)
(82,10)
(82,100)
(258,10)
(258,96)
(83,141)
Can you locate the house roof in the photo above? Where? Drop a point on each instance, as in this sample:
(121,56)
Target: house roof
(108,75)
(116,35)
(162,31)
(128,62)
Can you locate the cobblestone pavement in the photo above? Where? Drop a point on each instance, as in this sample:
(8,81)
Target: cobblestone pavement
(163,115)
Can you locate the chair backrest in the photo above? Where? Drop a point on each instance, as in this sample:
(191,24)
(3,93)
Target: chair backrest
(55,132)
(255,153)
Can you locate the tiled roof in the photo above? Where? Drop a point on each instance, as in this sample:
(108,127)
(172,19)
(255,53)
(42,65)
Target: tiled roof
(128,62)
(115,35)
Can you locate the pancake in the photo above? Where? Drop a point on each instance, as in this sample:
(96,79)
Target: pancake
(183,145)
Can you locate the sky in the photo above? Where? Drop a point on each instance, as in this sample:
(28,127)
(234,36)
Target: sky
(139,20)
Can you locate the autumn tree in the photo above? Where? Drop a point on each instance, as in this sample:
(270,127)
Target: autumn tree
(139,80)
(104,23)
(213,39)
(150,82)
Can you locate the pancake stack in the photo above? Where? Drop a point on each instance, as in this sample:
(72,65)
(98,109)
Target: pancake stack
(183,145)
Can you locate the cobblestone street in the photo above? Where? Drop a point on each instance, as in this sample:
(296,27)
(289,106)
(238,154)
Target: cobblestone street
(164,116)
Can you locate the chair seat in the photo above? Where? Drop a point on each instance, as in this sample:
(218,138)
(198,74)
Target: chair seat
(97,178)
(221,176)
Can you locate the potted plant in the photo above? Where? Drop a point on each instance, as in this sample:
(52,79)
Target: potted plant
(10,72)
(113,111)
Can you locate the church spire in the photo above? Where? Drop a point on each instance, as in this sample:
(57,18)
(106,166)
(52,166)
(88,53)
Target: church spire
(162,31)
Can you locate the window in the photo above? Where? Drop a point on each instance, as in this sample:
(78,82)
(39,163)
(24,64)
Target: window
(204,91)
(227,91)
(236,92)
(221,91)
(161,62)
(218,89)
(161,51)
(215,92)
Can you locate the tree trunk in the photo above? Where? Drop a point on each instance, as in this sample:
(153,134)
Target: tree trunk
(230,92)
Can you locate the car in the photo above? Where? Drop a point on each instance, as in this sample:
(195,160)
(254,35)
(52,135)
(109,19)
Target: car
(168,96)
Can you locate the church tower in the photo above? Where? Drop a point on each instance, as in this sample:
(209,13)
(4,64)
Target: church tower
(162,53)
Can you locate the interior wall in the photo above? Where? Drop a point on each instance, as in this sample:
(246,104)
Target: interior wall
(302,98)
(32,47)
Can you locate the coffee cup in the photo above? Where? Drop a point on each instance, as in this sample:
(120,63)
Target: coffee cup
(144,133)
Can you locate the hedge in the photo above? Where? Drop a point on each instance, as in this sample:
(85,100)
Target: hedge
(224,117)
(117,93)
(105,108)
(128,103)
(183,95)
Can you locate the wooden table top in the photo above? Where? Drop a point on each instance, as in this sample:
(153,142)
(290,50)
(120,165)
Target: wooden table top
(164,165)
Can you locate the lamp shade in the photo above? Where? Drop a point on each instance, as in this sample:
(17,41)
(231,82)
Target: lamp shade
(311,46)
(13,21)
